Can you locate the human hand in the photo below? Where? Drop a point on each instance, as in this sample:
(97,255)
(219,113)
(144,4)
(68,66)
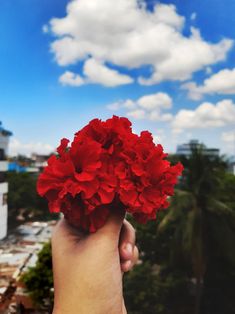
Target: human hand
(88,269)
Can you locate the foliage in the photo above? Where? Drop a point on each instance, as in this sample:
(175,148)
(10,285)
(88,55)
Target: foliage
(148,290)
(39,279)
(189,239)
(227,190)
(24,204)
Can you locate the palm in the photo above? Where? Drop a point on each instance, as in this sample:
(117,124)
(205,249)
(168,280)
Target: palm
(197,212)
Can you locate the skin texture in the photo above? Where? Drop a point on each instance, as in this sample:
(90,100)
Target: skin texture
(88,269)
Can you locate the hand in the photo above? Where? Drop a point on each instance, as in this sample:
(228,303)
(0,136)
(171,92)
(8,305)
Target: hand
(88,269)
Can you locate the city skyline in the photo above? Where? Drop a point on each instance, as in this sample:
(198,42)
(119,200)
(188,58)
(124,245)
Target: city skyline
(168,66)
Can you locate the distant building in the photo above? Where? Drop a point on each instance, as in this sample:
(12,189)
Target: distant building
(186,149)
(17,167)
(34,164)
(4,140)
(18,252)
(231,164)
(39,161)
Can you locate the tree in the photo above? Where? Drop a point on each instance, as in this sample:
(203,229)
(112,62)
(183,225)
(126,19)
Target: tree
(204,224)
(39,279)
(23,201)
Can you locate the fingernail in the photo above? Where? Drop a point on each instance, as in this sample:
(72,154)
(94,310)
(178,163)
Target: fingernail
(128,248)
(127,265)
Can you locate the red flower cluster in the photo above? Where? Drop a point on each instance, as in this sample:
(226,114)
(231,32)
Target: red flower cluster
(107,167)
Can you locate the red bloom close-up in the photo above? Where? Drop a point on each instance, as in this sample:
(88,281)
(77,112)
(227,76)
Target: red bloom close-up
(108,167)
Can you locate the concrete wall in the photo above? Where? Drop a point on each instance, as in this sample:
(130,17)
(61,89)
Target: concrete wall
(3,210)
(4,140)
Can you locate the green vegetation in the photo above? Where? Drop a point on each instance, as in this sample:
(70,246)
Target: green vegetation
(39,279)
(24,204)
(187,256)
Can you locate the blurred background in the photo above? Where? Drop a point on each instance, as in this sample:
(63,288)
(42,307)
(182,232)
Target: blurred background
(169,67)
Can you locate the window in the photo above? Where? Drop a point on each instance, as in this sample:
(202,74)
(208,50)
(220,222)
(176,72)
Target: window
(2,154)
(2,176)
(4,199)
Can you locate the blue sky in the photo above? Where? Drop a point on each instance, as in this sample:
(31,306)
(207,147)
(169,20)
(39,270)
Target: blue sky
(168,66)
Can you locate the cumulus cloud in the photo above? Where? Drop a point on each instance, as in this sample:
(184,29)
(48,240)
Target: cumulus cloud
(155,101)
(222,82)
(124,33)
(97,73)
(17,147)
(148,107)
(70,78)
(207,115)
(137,114)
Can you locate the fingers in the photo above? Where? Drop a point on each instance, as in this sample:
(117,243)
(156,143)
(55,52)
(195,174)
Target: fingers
(65,238)
(126,240)
(128,251)
(129,264)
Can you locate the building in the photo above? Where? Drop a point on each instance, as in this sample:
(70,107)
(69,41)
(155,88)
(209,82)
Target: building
(34,164)
(17,167)
(186,149)
(18,252)
(4,140)
(231,164)
(39,161)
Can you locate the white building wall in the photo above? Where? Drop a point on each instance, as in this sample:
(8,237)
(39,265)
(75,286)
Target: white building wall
(3,210)
(3,221)
(4,140)
(3,188)
(3,165)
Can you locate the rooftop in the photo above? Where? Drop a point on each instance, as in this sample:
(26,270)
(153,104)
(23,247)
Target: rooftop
(4,131)
(18,252)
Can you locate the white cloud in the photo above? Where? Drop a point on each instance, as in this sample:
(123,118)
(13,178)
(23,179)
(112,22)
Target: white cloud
(17,147)
(95,72)
(148,107)
(137,114)
(71,79)
(127,104)
(154,101)
(193,16)
(126,34)
(160,137)
(157,116)
(207,115)
(114,106)
(45,28)
(222,82)
(228,137)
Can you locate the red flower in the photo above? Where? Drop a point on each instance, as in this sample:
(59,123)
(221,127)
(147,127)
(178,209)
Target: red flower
(108,167)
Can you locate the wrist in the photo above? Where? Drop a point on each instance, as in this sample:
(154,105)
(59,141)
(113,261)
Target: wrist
(86,305)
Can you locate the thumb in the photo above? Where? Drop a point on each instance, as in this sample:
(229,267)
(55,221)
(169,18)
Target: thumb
(113,225)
